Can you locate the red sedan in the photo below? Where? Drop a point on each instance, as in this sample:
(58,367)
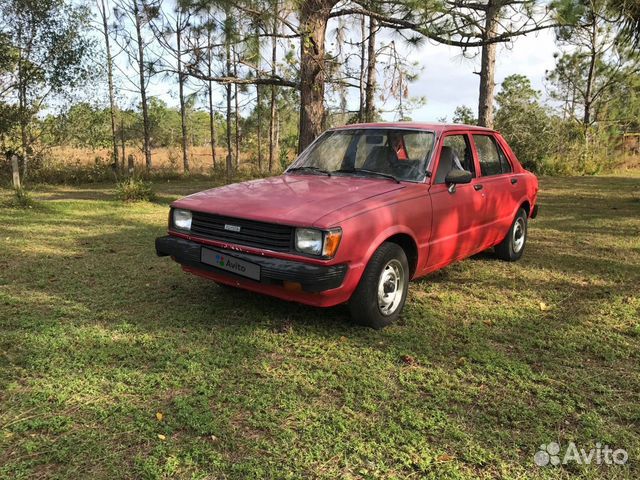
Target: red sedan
(362,211)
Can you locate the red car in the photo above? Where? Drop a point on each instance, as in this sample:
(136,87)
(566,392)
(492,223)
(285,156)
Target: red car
(362,211)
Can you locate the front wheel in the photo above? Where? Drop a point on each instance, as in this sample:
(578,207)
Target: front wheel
(382,291)
(512,247)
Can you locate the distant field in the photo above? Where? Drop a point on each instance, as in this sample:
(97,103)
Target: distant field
(163,158)
(115,364)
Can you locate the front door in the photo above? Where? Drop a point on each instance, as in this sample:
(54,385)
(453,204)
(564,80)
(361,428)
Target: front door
(457,223)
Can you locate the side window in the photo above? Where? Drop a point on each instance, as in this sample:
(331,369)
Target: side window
(462,149)
(504,161)
(454,154)
(488,155)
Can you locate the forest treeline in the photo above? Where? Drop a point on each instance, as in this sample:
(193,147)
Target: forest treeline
(258,80)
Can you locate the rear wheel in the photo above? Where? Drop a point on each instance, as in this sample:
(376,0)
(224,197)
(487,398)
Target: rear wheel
(512,247)
(382,291)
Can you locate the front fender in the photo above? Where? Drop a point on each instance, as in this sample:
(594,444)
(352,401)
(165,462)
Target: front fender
(388,233)
(360,263)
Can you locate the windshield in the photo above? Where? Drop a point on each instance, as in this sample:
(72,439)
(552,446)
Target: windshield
(394,153)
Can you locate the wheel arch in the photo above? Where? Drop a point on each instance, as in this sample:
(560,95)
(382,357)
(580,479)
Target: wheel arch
(408,244)
(402,237)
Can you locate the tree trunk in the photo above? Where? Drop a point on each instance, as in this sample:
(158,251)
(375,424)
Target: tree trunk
(259,125)
(143,88)
(22,110)
(229,126)
(593,56)
(112,100)
(572,111)
(122,139)
(487,68)
(236,112)
(24,136)
(277,137)
(183,107)
(212,126)
(273,130)
(15,170)
(227,42)
(314,15)
(212,119)
(363,65)
(272,114)
(370,93)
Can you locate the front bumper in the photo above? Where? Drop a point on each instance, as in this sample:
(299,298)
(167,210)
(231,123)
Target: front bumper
(274,272)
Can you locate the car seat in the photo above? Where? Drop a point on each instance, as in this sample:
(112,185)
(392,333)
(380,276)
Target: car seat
(380,159)
(448,161)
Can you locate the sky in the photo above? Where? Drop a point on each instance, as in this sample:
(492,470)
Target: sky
(448,81)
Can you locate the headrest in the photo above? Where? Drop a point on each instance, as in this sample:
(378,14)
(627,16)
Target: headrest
(445,165)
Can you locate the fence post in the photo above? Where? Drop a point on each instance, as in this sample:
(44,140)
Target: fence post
(16,172)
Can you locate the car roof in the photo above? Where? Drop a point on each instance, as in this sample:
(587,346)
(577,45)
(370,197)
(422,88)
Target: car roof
(431,126)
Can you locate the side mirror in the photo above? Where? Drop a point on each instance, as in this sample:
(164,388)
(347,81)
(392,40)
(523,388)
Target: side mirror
(458,176)
(455,177)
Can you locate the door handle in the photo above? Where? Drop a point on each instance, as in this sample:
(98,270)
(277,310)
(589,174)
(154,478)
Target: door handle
(477,187)
(514,181)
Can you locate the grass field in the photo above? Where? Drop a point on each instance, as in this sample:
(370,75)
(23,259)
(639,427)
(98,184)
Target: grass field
(115,364)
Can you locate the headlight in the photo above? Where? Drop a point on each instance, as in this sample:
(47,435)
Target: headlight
(309,241)
(318,242)
(182,219)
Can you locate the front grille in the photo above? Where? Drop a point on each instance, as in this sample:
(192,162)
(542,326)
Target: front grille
(269,236)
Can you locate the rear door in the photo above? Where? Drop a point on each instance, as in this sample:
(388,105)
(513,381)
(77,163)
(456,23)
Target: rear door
(456,225)
(500,185)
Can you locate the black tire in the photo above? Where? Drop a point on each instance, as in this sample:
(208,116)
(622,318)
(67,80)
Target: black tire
(512,247)
(389,259)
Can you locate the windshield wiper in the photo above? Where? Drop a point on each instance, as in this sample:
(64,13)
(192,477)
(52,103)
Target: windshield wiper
(309,168)
(366,171)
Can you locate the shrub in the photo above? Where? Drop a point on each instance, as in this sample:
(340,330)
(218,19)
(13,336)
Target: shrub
(580,152)
(71,173)
(134,190)
(21,199)
(549,144)
(526,124)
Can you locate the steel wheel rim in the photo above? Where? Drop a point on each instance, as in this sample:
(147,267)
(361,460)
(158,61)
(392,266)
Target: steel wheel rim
(391,285)
(519,233)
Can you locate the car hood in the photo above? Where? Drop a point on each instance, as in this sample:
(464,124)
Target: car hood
(290,199)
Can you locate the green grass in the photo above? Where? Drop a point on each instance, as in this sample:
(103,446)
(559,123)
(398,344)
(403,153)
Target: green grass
(490,360)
